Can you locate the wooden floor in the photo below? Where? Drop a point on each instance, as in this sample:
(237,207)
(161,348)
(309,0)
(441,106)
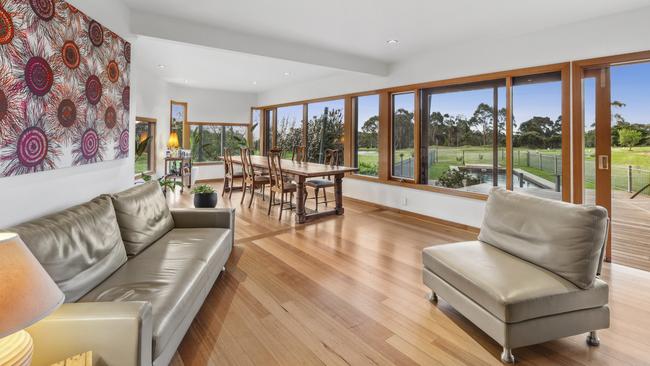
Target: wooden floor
(631,230)
(347,291)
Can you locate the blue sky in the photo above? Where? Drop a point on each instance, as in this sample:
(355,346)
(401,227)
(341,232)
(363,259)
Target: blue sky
(630,84)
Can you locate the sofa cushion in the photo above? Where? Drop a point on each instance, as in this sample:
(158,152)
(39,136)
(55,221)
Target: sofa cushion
(509,288)
(79,247)
(143,216)
(206,244)
(564,238)
(170,285)
(171,274)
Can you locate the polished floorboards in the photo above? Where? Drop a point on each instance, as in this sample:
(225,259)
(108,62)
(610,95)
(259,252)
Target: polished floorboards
(347,290)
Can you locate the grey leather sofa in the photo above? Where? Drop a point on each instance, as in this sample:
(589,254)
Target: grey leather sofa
(531,276)
(134,272)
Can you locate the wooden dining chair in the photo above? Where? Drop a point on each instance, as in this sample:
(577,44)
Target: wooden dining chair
(298,154)
(230,173)
(279,184)
(331,159)
(252,179)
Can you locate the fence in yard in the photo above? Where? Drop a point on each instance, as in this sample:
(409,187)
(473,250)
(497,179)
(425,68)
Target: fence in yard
(549,163)
(624,178)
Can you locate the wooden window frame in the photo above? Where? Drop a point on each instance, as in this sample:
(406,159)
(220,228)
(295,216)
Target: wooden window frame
(219,124)
(185,143)
(385,126)
(416,137)
(351,129)
(151,122)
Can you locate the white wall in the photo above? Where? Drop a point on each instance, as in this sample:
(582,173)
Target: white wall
(153,101)
(33,195)
(615,34)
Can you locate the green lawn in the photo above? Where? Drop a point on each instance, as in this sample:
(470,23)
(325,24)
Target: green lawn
(141,163)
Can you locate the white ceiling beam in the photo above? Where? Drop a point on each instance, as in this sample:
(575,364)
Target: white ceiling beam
(172,29)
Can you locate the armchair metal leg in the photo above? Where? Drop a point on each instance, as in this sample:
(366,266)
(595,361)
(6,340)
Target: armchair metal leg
(433,297)
(506,355)
(592,339)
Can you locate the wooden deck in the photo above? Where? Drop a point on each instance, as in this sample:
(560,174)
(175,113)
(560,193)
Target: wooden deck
(347,290)
(631,230)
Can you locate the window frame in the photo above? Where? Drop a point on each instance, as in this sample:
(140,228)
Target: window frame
(151,158)
(185,143)
(416,144)
(353,144)
(385,126)
(223,126)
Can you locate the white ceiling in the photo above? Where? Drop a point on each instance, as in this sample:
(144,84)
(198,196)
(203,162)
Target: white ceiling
(363,26)
(210,68)
(226,44)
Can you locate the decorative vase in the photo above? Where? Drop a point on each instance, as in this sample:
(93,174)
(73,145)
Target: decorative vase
(205,200)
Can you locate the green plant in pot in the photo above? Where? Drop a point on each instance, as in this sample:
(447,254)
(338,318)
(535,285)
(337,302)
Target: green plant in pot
(166,183)
(204,196)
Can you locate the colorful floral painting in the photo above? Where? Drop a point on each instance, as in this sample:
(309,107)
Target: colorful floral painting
(64,88)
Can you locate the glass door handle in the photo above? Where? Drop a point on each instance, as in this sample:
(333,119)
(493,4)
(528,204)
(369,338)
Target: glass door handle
(603,162)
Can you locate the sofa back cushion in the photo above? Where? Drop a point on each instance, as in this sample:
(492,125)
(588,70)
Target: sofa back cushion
(563,238)
(143,216)
(79,247)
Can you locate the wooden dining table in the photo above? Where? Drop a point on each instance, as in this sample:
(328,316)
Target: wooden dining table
(301,171)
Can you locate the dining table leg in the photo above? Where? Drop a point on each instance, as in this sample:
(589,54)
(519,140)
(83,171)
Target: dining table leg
(338,193)
(301,216)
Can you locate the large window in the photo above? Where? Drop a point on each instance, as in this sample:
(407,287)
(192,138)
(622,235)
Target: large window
(366,121)
(289,129)
(325,129)
(208,141)
(537,134)
(403,136)
(465,136)
(145,134)
(178,121)
(256,126)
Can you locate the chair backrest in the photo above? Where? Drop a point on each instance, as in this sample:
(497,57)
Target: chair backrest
(298,154)
(247,165)
(275,169)
(332,157)
(561,237)
(276,150)
(228,164)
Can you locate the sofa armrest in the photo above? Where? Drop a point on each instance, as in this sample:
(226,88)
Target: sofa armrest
(118,333)
(191,218)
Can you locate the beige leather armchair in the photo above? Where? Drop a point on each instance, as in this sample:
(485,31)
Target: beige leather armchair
(118,333)
(531,276)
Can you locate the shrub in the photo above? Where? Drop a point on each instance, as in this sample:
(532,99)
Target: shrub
(202,189)
(454,179)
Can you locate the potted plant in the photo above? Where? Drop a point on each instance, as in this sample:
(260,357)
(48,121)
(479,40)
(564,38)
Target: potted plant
(204,196)
(166,183)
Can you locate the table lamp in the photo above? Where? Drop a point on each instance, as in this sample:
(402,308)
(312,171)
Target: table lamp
(27,295)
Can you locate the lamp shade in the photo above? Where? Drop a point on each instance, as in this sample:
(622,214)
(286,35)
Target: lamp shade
(27,292)
(172,143)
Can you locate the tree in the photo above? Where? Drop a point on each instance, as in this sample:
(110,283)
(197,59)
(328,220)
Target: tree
(483,117)
(369,133)
(629,137)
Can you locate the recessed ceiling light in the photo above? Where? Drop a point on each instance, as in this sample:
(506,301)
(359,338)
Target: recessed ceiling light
(187,81)
(287,73)
(392,41)
(254,82)
(161,66)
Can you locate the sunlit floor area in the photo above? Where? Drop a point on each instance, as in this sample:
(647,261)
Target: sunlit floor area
(347,290)
(631,230)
